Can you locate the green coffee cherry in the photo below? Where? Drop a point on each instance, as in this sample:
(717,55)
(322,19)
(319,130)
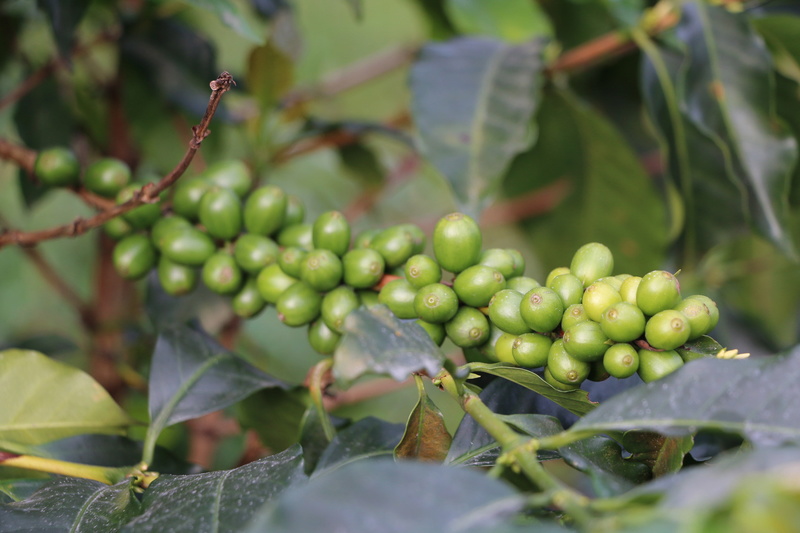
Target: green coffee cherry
(553,382)
(363,268)
(558,271)
(487,351)
(573,315)
(248,302)
(421,270)
(322,338)
(569,288)
(107,177)
(368,297)
(418,237)
(221,213)
(291,260)
(612,281)
(457,242)
(436,303)
(656,365)
(117,228)
(504,347)
(322,270)
(364,239)
(501,260)
(477,284)
(591,262)
(298,236)
(176,279)
(253,253)
(134,256)
(504,312)
(299,305)
(395,244)
(659,290)
(468,328)
(398,295)
(188,246)
(272,282)
(519,262)
(336,305)
(623,322)
(295,211)
(629,288)
(621,360)
(541,309)
(331,231)
(188,193)
(265,210)
(713,311)
(698,315)
(231,174)
(221,274)
(57,167)
(436,332)
(597,298)
(564,367)
(667,330)
(531,349)
(165,226)
(141,217)
(586,341)
(522,284)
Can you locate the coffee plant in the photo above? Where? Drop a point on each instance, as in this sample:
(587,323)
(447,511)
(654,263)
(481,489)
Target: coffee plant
(399,265)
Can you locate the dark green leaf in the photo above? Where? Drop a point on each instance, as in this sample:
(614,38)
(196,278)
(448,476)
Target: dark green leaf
(217,501)
(514,21)
(14,490)
(377,342)
(192,375)
(426,437)
(42,117)
(390,497)
(663,455)
(31,191)
(780,33)
(367,438)
(576,401)
(601,459)
(270,8)
(45,400)
(737,396)
(472,103)
(627,12)
(313,438)
(703,346)
(270,74)
(231,14)
(275,414)
(729,94)
(64,18)
(72,504)
(362,163)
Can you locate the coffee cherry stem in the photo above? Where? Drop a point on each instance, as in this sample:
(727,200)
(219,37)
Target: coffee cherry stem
(384,280)
(641,343)
(317,379)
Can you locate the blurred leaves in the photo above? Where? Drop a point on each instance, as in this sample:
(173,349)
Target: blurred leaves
(270,75)
(472,103)
(64,18)
(514,21)
(231,14)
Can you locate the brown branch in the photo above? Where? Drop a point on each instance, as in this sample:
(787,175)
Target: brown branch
(23,157)
(147,194)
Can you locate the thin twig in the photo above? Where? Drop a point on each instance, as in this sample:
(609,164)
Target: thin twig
(147,194)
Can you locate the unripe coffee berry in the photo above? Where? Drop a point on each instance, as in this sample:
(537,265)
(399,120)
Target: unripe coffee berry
(468,328)
(623,322)
(331,231)
(254,253)
(272,282)
(436,303)
(531,349)
(457,242)
(398,295)
(265,210)
(248,301)
(621,360)
(299,305)
(541,309)
(504,312)
(363,268)
(658,290)
(107,177)
(591,262)
(322,269)
(586,341)
(421,270)
(57,167)
(134,256)
(221,213)
(656,365)
(336,305)
(176,279)
(477,284)
(221,274)
(667,330)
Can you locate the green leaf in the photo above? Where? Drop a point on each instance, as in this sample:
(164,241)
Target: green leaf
(728,92)
(610,198)
(14,490)
(64,18)
(270,74)
(514,21)
(737,396)
(472,103)
(231,14)
(576,401)
(72,504)
(192,375)
(45,400)
(663,455)
(43,119)
(382,495)
(313,438)
(601,459)
(780,33)
(426,437)
(366,439)
(377,342)
(703,346)
(217,501)
(275,414)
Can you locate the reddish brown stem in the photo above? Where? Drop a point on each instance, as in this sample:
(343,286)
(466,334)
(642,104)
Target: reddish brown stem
(148,193)
(384,280)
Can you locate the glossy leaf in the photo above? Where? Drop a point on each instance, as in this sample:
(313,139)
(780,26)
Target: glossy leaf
(217,501)
(426,437)
(601,459)
(44,400)
(663,455)
(72,504)
(576,401)
(729,94)
(313,438)
(377,342)
(382,495)
(514,21)
(275,415)
(192,375)
(472,103)
(231,14)
(368,438)
(737,396)
(64,18)
(17,489)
